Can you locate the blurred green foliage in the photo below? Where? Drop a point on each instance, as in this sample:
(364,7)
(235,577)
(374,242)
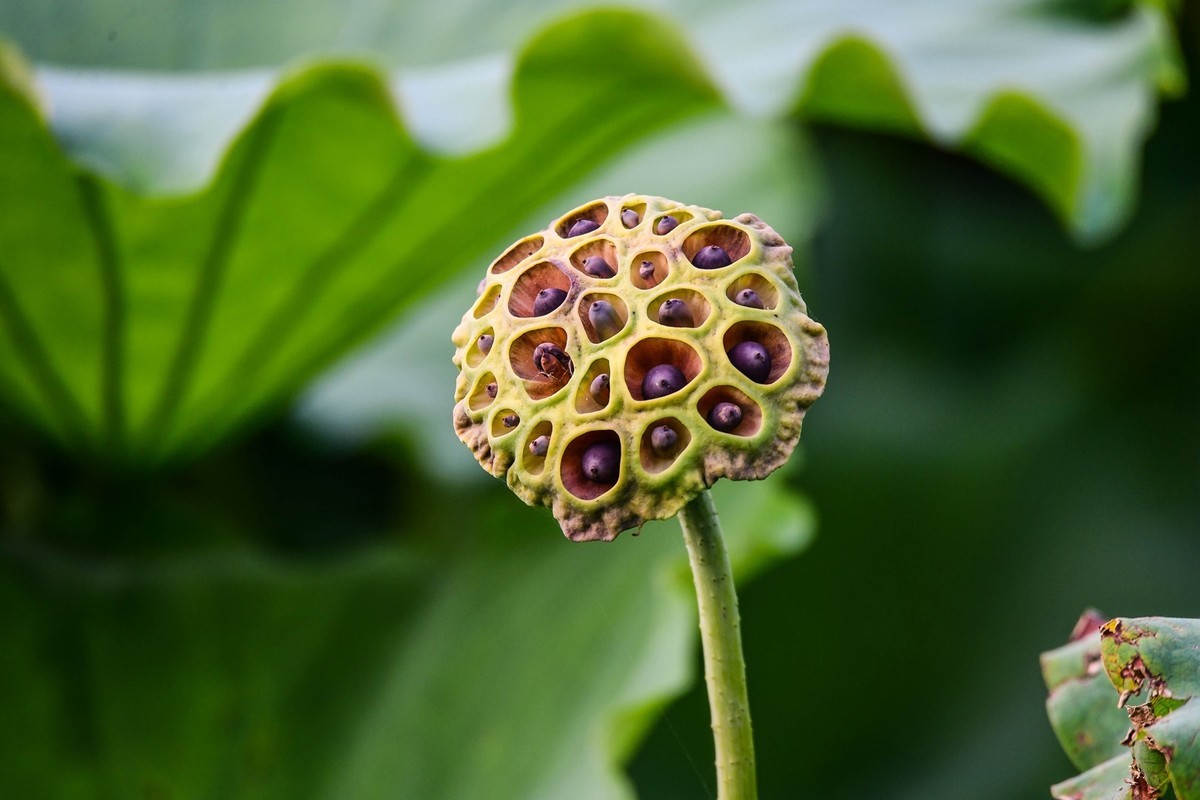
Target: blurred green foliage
(331,604)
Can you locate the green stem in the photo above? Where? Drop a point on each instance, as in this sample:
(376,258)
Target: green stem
(721,636)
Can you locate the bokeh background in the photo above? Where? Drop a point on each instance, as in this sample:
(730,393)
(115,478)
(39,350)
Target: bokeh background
(327,597)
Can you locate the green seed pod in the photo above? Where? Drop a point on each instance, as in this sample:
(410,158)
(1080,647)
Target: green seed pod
(693,360)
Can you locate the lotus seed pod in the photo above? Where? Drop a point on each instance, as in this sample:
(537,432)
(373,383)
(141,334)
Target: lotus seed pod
(611,407)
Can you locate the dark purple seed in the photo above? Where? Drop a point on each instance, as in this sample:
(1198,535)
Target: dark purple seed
(539,446)
(601,462)
(552,362)
(582,226)
(752,360)
(605,319)
(511,420)
(547,300)
(663,439)
(711,257)
(748,298)
(597,267)
(665,225)
(661,381)
(491,389)
(646,270)
(485,343)
(725,416)
(630,218)
(599,389)
(676,313)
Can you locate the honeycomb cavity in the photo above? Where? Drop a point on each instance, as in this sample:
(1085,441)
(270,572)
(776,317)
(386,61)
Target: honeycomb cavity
(517,253)
(541,375)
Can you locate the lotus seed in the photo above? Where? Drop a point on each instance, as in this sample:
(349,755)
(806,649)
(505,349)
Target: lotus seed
(552,361)
(485,343)
(646,270)
(661,381)
(511,420)
(597,267)
(539,446)
(547,300)
(748,298)
(630,218)
(582,226)
(752,360)
(676,313)
(725,416)
(665,225)
(490,389)
(601,462)
(599,389)
(711,257)
(605,319)
(663,439)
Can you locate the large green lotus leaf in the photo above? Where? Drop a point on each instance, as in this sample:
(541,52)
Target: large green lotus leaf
(502,662)
(164,322)
(1058,94)
(1150,667)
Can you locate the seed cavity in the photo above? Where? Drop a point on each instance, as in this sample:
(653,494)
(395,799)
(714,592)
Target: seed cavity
(517,253)
(651,353)
(595,389)
(662,443)
(760,350)
(649,269)
(591,464)
(730,242)
(729,410)
(539,290)
(551,362)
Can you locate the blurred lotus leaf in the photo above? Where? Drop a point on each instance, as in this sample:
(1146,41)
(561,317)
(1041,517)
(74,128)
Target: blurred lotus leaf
(1150,668)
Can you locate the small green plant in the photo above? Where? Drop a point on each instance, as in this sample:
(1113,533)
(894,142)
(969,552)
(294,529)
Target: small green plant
(618,363)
